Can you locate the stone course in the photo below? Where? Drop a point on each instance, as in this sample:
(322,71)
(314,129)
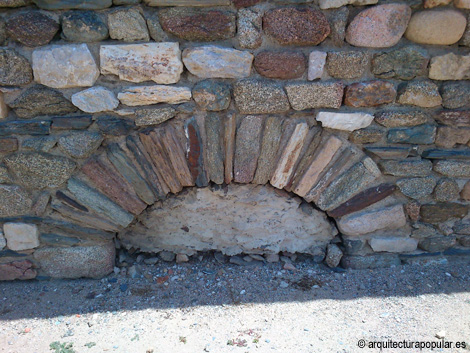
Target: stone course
(355,112)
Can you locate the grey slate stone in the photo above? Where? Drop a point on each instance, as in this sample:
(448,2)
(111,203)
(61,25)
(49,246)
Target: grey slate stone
(38,127)
(214,149)
(212,95)
(404,63)
(269,147)
(247,149)
(73,4)
(77,122)
(407,167)
(83,26)
(39,144)
(422,135)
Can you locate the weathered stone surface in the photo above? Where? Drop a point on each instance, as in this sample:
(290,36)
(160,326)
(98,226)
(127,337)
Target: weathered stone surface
(370,221)
(3,107)
(249,25)
(194,3)
(214,149)
(333,255)
(393,244)
(344,121)
(321,159)
(296,26)
(450,67)
(446,190)
(421,134)
(90,261)
(21,270)
(14,3)
(462,228)
(39,144)
(65,66)
(155,28)
(379,26)
(77,122)
(269,147)
(198,25)
(94,100)
(417,188)
(393,152)
(367,135)
(145,95)
(31,28)
(338,20)
(110,183)
(15,201)
(404,63)
(351,182)
(462,4)
(370,261)
(230,129)
(38,170)
(128,25)
(437,244)
(3,241)
(465,193)
(315,95)
(260,97)
(158,62)
(456,118)
(212,95)
(346,64)
(284,65)
(39,100)
(407,168)
(464,241)
(9,144)
(363,199)
(420,93)
(145,117)
(266,222)
(316,64)
(39,127)
(14,68)
(21,236)
(454,169)
(442,211)
(448,137)
(247,149)
(369,94)
(397,118)
(428,4)
(412,209)
(83,26)
(217,62)
(73,4)
(439,27)
(245,3)
(99,203)
(455,95)
(437,153)
(80,144)
(195,152)
(288,159)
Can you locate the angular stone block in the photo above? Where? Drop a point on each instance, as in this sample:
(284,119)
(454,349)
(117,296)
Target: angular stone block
(21,236)
(146,95)
(315,95)
(247,149)
(345,121)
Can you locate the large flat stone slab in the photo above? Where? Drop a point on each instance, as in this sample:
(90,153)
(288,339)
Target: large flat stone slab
(145,95)
(158,62)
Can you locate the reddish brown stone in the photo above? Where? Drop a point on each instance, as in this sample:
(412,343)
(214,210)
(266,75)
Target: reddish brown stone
(412,210)
(32,28)
(284,65)
(9,144)
(196,153)
(296,26)
(108,181)
(363,199)
(455,118)
(245,3)
(17,270)
(369,94)
(198,25)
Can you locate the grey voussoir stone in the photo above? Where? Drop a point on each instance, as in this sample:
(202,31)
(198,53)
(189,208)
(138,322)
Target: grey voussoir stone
(260,97)
(37,170)
(80,144)
(84,26)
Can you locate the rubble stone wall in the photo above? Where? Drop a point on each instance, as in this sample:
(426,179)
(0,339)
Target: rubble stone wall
(118,117)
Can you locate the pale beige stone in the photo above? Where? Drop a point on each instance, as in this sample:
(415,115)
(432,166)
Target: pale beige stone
(321,159)
(365,222)
(462,4)
(65,66)
(217,62)
(21,236)
(393,244)
(316,64)
(94,100)
(333,4)
(439,27)
(450,67)
(158,62)
(239,218)
(145,95)
(285,166)
(3,107)
(345,121)
(434,3)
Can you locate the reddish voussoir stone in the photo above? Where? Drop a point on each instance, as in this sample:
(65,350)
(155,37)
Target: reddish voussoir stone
(283,65)
(369,94)
(296,26)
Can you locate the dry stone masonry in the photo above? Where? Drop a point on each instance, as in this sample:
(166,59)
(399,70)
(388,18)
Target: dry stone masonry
(334,128)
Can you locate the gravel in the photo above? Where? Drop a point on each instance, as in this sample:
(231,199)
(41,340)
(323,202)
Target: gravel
(206,305)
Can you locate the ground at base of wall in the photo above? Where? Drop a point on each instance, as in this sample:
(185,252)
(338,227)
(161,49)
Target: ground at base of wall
(205,306)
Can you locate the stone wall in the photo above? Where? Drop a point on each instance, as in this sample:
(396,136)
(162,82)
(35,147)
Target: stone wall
(360,108)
